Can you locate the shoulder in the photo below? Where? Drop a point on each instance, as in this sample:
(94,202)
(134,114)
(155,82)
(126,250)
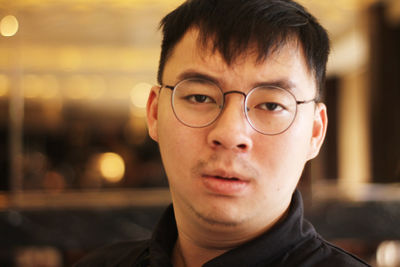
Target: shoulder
(318,252)
(336,256)
(114,255)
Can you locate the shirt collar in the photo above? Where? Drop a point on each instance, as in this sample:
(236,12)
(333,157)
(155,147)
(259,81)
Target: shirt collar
(163,239)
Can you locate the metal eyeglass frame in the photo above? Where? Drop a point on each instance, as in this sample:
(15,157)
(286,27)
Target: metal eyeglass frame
(172,88)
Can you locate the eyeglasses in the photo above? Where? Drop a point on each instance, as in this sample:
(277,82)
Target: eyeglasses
(198,103)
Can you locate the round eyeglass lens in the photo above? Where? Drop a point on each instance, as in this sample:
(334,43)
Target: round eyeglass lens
(270,110)
(197,102)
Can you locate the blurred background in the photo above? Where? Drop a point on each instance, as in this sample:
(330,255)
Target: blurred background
(78,171)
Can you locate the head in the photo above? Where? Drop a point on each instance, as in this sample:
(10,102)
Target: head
(235,26)
(228,176)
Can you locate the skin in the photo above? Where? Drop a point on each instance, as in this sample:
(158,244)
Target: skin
(215,215)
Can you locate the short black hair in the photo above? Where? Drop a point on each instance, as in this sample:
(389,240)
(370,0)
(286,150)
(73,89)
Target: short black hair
(234,25)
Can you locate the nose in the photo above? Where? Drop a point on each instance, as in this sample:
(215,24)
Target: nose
(231,131)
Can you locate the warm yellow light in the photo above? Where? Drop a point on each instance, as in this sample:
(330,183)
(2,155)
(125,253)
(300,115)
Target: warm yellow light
(98,87)
(77,87)
(120,87)
(32,86)
(112,167)
(70,58)
(9,26)
(139,95)
(51,87)
(4,84)
(388,254)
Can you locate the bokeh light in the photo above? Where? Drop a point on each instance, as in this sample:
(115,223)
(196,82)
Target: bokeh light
(9,26)
(388,254)
(139,94)
(112,167)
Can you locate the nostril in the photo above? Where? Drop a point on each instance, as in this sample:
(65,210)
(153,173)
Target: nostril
(242,146)
(217,143)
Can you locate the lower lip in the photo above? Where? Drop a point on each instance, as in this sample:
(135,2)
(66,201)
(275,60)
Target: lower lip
(224,186)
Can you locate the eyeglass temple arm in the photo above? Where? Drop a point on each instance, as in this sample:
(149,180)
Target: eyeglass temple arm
(306,101)
(168,86)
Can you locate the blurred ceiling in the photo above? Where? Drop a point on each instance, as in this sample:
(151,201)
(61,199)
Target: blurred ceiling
(118,42)
(127,21)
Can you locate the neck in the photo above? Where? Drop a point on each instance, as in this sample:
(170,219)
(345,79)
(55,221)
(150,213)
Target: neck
(198,243)
(195,247)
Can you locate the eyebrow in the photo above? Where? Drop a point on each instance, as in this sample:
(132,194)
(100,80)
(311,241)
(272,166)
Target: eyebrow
(282,83)
(191,74)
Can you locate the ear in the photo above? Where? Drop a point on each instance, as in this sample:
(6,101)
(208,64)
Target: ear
(152,112)
(319,130)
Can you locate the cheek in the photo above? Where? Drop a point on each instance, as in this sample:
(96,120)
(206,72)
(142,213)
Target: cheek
(179,146)
(282,157)
(299,134)
(298,140)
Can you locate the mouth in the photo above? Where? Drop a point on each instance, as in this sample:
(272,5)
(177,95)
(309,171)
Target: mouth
(227,178)
(224,184)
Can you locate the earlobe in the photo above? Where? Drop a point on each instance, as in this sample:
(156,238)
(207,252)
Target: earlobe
(319,130)
(152,112)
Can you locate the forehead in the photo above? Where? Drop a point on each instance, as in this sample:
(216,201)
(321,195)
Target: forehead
(190,56)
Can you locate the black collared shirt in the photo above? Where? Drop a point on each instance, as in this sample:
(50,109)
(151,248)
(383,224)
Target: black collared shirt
(291,242)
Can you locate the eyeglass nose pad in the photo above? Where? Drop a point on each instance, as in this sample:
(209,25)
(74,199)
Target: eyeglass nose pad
(235,92)
(223,106)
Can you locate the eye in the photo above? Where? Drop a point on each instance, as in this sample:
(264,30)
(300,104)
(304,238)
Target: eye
(200,99)
(270,106)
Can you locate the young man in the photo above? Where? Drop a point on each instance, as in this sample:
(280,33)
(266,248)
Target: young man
(236,117)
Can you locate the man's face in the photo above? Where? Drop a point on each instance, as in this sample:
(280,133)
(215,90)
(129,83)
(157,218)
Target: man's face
(227,174)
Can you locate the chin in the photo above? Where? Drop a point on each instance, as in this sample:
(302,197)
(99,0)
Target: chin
(224,217)
(216,220)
